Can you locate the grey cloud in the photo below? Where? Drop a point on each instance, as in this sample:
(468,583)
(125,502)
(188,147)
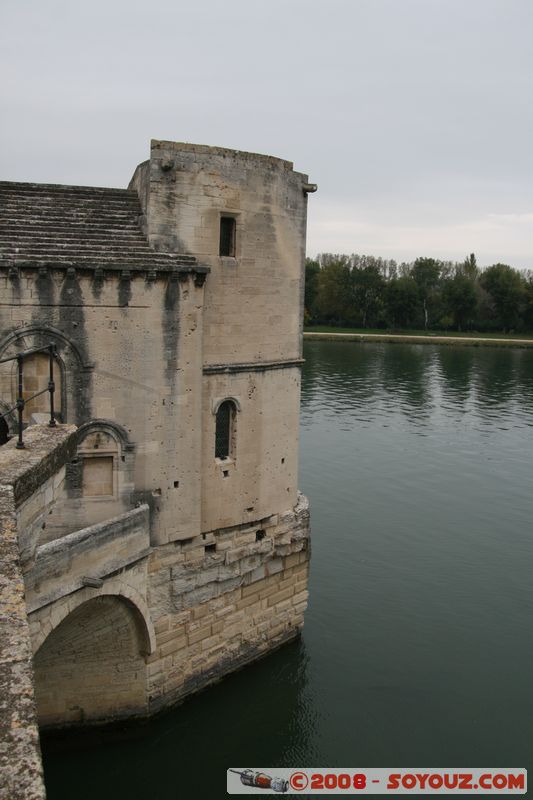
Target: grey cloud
(414,117)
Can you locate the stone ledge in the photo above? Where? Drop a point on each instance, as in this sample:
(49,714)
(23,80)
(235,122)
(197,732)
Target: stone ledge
(94,265)
(62,566)
(46,450)
(254,366)
(225,152)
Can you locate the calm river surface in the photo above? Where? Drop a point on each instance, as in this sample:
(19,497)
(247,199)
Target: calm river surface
(418,642)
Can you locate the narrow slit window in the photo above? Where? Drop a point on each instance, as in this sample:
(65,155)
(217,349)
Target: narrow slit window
(224,429)
(227,236)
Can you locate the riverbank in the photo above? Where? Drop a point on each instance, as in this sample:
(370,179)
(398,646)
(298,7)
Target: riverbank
(430,338)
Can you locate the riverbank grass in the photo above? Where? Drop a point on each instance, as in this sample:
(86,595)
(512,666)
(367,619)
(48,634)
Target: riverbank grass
(414,332)
(472,338)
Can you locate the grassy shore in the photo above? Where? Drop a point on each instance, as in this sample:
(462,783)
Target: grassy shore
(472,339)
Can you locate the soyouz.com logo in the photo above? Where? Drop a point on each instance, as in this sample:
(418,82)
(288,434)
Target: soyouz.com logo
(406,780)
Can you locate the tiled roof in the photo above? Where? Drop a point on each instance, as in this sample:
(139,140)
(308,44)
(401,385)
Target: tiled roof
(46,225)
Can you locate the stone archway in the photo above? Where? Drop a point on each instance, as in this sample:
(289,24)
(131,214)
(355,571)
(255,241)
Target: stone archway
(72,373)
(92,665)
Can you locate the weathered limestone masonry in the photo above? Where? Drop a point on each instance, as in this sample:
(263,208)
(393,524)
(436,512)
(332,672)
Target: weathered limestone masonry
(177,549)
(24,474)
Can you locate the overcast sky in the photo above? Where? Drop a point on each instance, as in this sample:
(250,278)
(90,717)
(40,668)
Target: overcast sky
(415,117)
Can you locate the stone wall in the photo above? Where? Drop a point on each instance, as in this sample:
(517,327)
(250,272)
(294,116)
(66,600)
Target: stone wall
(67,564)
(200,560)
(150,392)
(261,477)
(91,666)
(36,515)
(252,310)
(22,472)
(253,303)
(193,612)
(225,598)
(20,759)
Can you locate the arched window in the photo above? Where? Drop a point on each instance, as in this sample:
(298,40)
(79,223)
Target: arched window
(36,372)
(225,430)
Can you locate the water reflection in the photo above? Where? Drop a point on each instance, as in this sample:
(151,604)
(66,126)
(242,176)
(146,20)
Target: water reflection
(406,377)
(455,367)
(346,375)
(422,552)
(361,380)
(496,382)
(366,380)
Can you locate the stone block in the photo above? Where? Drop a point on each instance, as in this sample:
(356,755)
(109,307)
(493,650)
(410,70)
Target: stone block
(218,626)
(195,554)
(277,597)
(229,585)
(225,611)
(210,643)
(170,636)
(198,635)
(249,564)
(199,596)
(257,586)
(257,574)
(162,624)
(250,600)
(274,566)
(300,597)
(235,554)
(292,560)
(269,590)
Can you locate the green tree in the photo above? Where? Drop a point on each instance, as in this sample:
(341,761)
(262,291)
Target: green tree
(469,267)
(312,270)
(460,299)
(506,289)
(402,301)
(368,287)
(334,301)
(528,301)
(426,274)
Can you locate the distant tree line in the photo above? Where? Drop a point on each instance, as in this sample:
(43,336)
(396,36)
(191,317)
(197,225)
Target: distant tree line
(368,292)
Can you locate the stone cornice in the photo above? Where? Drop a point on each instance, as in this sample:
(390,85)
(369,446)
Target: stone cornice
(254,366)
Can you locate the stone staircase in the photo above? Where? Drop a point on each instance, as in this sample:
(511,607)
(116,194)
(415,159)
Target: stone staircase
(46,225)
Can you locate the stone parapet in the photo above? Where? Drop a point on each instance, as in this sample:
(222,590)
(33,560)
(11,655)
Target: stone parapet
(86,557)
(22,472)
(188,613)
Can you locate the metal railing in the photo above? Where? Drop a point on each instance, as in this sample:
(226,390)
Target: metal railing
(21,400)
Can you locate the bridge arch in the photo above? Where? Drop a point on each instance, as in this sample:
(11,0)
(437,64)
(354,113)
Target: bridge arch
(92,664)
(115,588)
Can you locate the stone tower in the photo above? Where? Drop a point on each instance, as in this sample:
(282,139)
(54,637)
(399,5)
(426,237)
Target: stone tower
(175,542)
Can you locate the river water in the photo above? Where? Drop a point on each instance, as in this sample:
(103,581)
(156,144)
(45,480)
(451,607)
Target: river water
(418,642)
